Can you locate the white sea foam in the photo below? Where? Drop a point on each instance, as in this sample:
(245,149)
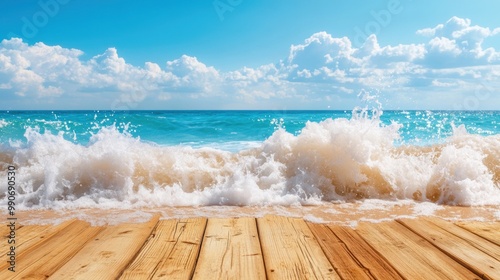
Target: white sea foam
(3,123)
(426,209)
(314,219)
(497,215)
(334,160)
(230,146)
(378,204)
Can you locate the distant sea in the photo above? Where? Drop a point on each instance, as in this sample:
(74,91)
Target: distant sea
(188,158)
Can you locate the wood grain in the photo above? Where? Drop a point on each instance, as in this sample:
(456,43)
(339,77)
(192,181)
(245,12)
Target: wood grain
(230,250)
(291,250)
(351,256)
(489,231)
(42,260)
(411,255)
(31,236)
(464,247)
(24,235)
(247,248)
(171,251)
(107,255)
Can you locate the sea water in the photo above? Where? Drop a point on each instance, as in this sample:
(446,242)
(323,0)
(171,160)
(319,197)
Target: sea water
(127,159)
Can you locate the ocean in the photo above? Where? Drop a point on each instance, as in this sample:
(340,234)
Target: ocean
(129,159)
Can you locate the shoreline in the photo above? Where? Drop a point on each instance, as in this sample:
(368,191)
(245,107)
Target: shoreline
(345,214)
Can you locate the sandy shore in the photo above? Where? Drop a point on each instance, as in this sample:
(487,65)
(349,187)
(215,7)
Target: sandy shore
(349,214)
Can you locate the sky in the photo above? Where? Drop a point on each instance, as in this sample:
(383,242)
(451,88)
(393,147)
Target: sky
(242,54)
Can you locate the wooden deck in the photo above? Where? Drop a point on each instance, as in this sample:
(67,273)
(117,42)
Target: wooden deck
(272,247)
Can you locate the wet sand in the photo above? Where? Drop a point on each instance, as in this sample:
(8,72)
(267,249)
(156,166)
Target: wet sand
(349,214)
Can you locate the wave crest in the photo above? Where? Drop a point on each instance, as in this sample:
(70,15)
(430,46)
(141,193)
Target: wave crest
(332,160)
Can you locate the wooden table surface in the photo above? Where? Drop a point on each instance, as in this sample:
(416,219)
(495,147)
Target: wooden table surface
(271,247)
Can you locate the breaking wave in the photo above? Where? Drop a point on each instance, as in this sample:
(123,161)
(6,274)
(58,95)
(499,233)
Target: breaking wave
(334,160)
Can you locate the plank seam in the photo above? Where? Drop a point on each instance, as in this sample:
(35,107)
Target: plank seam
(324,252)
(477,234)
(450,255)
(199,250)
(75,252)
(360,264)
(81,248)
(468,241)
(131,261)
(260,246)
(381,256)
(40,243)
(160,263)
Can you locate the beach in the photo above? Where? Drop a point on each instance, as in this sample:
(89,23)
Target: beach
(233,139)
(252,243)
(344,214)
(250,195)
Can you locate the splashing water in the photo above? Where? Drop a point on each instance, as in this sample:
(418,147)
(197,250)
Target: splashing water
(299,162)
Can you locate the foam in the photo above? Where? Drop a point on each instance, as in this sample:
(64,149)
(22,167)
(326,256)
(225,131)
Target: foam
(426,209)
(229,146)
(384,205)
(334,160)
(3,123)
(313,219)
(497,215)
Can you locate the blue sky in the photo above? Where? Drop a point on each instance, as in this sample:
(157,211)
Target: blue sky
(242,54)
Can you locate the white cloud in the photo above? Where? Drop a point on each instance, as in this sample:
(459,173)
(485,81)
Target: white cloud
(461,30)
(321,48)
(458,43)
(164,96)
(321,69)
(41,70)
(193,76)
(264,82)
(20,70)
(444,45)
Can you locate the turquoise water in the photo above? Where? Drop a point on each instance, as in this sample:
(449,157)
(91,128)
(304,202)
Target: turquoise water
(232,130)
(72,159)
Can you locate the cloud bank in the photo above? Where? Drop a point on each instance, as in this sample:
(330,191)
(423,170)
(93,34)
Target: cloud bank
(451,71)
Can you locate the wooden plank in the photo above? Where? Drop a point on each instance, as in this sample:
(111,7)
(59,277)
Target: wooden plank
(342,259)
(291,251)
(460,245)
(230,250)
(411,255)
(489,231)
(474,240)
(33,235)
(350,255)
(171,252)
(378,267)
(107,255)
(39,262)
(5,230)
(23,235)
